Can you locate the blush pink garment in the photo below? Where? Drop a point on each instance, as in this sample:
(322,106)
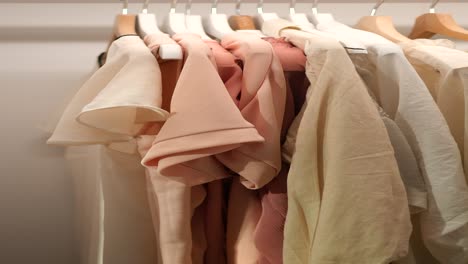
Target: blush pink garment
(231,75)
(203,121)
(261,102)
(270,228)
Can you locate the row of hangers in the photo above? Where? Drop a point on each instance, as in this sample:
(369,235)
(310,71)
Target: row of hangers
(218,25)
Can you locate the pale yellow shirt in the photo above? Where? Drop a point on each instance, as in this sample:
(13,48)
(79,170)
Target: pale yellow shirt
(346,199)
(405,98)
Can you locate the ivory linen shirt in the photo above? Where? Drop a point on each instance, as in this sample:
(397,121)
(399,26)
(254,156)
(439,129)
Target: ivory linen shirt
(346,200)
(115,103)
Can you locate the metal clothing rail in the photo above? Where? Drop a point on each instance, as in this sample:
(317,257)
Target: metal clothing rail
(221,1)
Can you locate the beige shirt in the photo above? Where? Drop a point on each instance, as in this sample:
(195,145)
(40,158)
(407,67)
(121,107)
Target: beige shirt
(405,98)
(445,73)
(346,199)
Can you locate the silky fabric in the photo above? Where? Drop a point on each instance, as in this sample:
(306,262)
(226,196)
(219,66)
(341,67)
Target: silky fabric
(269,233)
(405,98)
(346,200)
(262,103)
(122,224)
(192,136)
(444,71)
(115,102)
(215,207)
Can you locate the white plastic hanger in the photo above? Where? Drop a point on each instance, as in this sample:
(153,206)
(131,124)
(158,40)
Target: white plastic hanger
(300,19)
(317,18)
(216,24)
(381,25)
(193,23)
(147,25)
(261,16)
(174,22)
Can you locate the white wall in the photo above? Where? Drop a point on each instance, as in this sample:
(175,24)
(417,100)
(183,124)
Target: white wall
(46,52)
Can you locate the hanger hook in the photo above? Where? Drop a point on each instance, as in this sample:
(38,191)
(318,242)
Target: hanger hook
(214,7)
(173,7)
(292,7)
(314,7)
(125,7)
(145,7)
(188,7)
(433,5)
(376,7)
(238,6)
(260,7)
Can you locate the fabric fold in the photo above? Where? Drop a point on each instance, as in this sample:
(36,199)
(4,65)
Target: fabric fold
(203,122)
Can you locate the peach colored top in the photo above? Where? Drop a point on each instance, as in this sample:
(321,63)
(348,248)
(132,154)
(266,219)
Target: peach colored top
(270,228)
(203,121)
(261,102)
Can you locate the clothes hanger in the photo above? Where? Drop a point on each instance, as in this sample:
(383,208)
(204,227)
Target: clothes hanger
(261,16)
(432,23)
(193,23)
(216,24)
(124,23)
(243,23)
(147,25)
(174,22)
(327,26)
(381,25)
(319,18)
(300,19)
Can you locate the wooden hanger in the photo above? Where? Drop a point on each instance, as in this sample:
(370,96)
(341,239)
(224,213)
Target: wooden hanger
(124,23)
(217,25)
(243,23)
(432,23)
(381,25)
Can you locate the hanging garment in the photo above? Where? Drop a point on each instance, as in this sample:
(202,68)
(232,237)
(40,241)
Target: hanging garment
(262,102)
(415,187)
(112,113)
(269,232)
(444,70)
(126,87)
(346,200)
(403,95)
(192,136)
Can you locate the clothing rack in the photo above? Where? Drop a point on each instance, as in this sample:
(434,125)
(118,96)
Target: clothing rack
(63,20)
(221,2)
